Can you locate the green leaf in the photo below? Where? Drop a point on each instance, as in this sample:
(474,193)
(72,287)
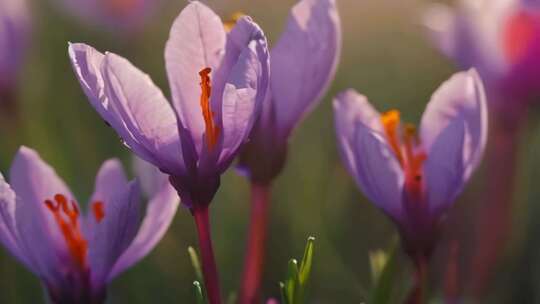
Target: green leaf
(377,261)
(198,271)
(232,299)
(199,297)
(382,291)
(292,282)
(293,288)
(283,292)
(196,264)
(307,260)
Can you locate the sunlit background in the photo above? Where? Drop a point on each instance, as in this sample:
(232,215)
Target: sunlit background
(386,56)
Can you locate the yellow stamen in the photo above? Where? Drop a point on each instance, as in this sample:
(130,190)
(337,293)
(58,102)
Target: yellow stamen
(231,22)
(211,130)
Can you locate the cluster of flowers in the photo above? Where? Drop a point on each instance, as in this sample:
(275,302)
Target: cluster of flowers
(232,96)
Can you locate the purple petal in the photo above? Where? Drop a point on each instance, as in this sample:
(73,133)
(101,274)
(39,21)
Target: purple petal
(8,231)
(378,173)
(87,64)
(443,167)
(159,215)
(112,235)
(462,96)
(196,41)
(144,112)
(110,181)
(304,60)
(39,235)
(244,93)
(149,176)
(440,22)
(472,34)
(349,109)
(14,36)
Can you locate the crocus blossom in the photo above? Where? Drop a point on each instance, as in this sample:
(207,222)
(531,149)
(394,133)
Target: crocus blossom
(76,255)
(111,14)
(14,32)
(501,38)
(414,178)
(218,82)
(303,62)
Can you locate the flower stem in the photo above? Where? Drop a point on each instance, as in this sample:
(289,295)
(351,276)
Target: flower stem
(210,273)
(493,214)
(418,293)
(254,259)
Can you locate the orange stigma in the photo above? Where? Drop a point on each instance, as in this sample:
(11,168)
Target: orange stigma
(406,145)
(390,121)
(99,211)
(212,131)
(67,218)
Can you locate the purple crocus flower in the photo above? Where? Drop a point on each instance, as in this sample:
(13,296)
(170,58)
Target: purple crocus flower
(77,255)
(218,82)
(414,178)
(14,32)
(303,63)
(112,14)
(501,38)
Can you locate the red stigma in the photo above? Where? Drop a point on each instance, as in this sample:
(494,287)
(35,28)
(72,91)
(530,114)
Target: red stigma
(406,146)
(67,218)
(99,211)
(211,130)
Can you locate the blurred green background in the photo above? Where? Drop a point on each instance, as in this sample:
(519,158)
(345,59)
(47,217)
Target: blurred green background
(386,56)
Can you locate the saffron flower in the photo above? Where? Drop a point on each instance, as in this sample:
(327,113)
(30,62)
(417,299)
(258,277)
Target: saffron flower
(303,63)
(77,255)
(218,82)
(14,32)
(501,38)
(415,177)
(111,14)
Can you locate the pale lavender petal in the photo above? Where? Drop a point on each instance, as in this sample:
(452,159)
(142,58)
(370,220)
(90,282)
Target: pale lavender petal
(159,215)
(242,36)
(196,41)
(440,21)
(243,96)
(443,167)
(349,109)
(145,112)
(304,60)
(8,231)
(110,181)
(462,96)
(112,234)
(14,36)
(149,176)
(39,235)
(472,34)
(87,63)
(378,173)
